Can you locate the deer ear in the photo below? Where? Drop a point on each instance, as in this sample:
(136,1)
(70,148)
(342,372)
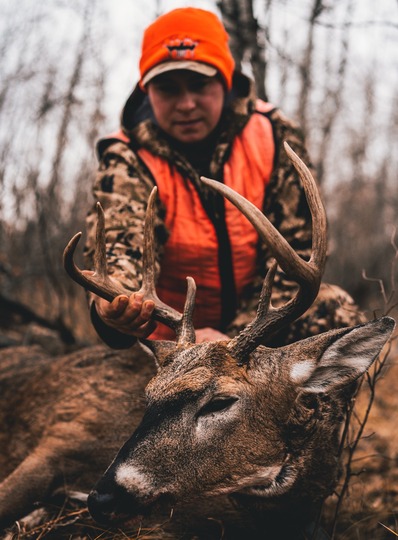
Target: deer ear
(344,358)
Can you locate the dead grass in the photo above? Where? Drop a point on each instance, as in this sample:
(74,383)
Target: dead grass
(73,521)
(368,509)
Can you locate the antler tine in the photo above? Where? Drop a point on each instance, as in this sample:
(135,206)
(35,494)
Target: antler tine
(265,296)
(307,274)
(148,254)
(186,331)
(248,336)
(182,324)
(100,266)
(319,237)
(100,284)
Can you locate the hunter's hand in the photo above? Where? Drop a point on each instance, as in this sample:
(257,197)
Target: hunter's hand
(130,315)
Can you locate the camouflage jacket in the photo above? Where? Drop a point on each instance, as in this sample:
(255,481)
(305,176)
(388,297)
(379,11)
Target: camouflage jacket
(123,184)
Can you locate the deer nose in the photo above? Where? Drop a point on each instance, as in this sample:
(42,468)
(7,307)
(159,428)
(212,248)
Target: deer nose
(107,506)
(101,506)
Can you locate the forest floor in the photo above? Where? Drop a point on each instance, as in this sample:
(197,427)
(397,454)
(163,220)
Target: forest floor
(370,509)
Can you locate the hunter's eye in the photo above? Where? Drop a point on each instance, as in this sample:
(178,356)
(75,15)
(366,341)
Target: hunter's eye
(217,405)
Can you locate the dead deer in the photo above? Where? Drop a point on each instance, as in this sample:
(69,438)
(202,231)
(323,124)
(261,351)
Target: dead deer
(230,418)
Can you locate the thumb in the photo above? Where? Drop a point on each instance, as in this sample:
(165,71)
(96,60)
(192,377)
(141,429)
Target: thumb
(88,272)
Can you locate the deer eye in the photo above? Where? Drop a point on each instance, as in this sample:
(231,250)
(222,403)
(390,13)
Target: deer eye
(216,405)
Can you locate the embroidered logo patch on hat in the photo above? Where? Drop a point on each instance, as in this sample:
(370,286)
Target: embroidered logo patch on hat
(182,48)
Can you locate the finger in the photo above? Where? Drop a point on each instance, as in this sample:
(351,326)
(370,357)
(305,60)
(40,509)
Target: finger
(138,313)
(132,309)
(116,308)
(88,272)
(146,329)
(109,311)
(148,308)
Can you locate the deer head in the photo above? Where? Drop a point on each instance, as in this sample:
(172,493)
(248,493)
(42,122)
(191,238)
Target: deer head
(235,417)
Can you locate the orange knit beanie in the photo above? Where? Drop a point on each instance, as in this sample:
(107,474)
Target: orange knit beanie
(186,38)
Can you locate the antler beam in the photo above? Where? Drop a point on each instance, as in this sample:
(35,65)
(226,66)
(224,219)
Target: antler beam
(306,274)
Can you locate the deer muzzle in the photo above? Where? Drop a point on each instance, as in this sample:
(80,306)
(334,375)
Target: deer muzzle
(111,503)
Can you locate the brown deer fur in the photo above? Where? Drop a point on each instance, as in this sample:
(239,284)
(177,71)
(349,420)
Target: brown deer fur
(274,448)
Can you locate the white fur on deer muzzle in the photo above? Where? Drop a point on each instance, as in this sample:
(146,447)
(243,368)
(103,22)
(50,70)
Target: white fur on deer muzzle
(132,479)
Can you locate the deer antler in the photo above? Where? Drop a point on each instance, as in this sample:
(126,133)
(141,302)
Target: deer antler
(102,285)
(307,274)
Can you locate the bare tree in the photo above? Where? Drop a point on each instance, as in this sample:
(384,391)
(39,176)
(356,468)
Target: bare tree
(247,39)
(334,91)
(38,170)
(305,66)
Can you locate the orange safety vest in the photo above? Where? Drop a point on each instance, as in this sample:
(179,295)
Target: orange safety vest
(192,247)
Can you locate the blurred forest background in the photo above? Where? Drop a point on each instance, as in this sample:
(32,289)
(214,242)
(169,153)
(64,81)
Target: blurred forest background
(68,66)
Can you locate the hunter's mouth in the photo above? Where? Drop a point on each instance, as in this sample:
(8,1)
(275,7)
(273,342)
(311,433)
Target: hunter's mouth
(188,123)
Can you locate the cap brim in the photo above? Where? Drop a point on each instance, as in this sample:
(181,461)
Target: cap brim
(164,67)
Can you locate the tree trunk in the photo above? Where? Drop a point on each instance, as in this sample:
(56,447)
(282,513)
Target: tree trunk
(306,66)
(247,39)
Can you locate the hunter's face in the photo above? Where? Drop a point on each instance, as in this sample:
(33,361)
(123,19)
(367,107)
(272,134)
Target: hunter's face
(186,105)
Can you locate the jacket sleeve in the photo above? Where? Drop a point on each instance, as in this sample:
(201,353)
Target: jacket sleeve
(286,207)
(122,186)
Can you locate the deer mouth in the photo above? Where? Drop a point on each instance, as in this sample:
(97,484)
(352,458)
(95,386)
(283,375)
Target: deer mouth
(273,486)
(155,505)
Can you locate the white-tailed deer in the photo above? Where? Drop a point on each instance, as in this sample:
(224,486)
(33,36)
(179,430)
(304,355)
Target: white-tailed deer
(230,418)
